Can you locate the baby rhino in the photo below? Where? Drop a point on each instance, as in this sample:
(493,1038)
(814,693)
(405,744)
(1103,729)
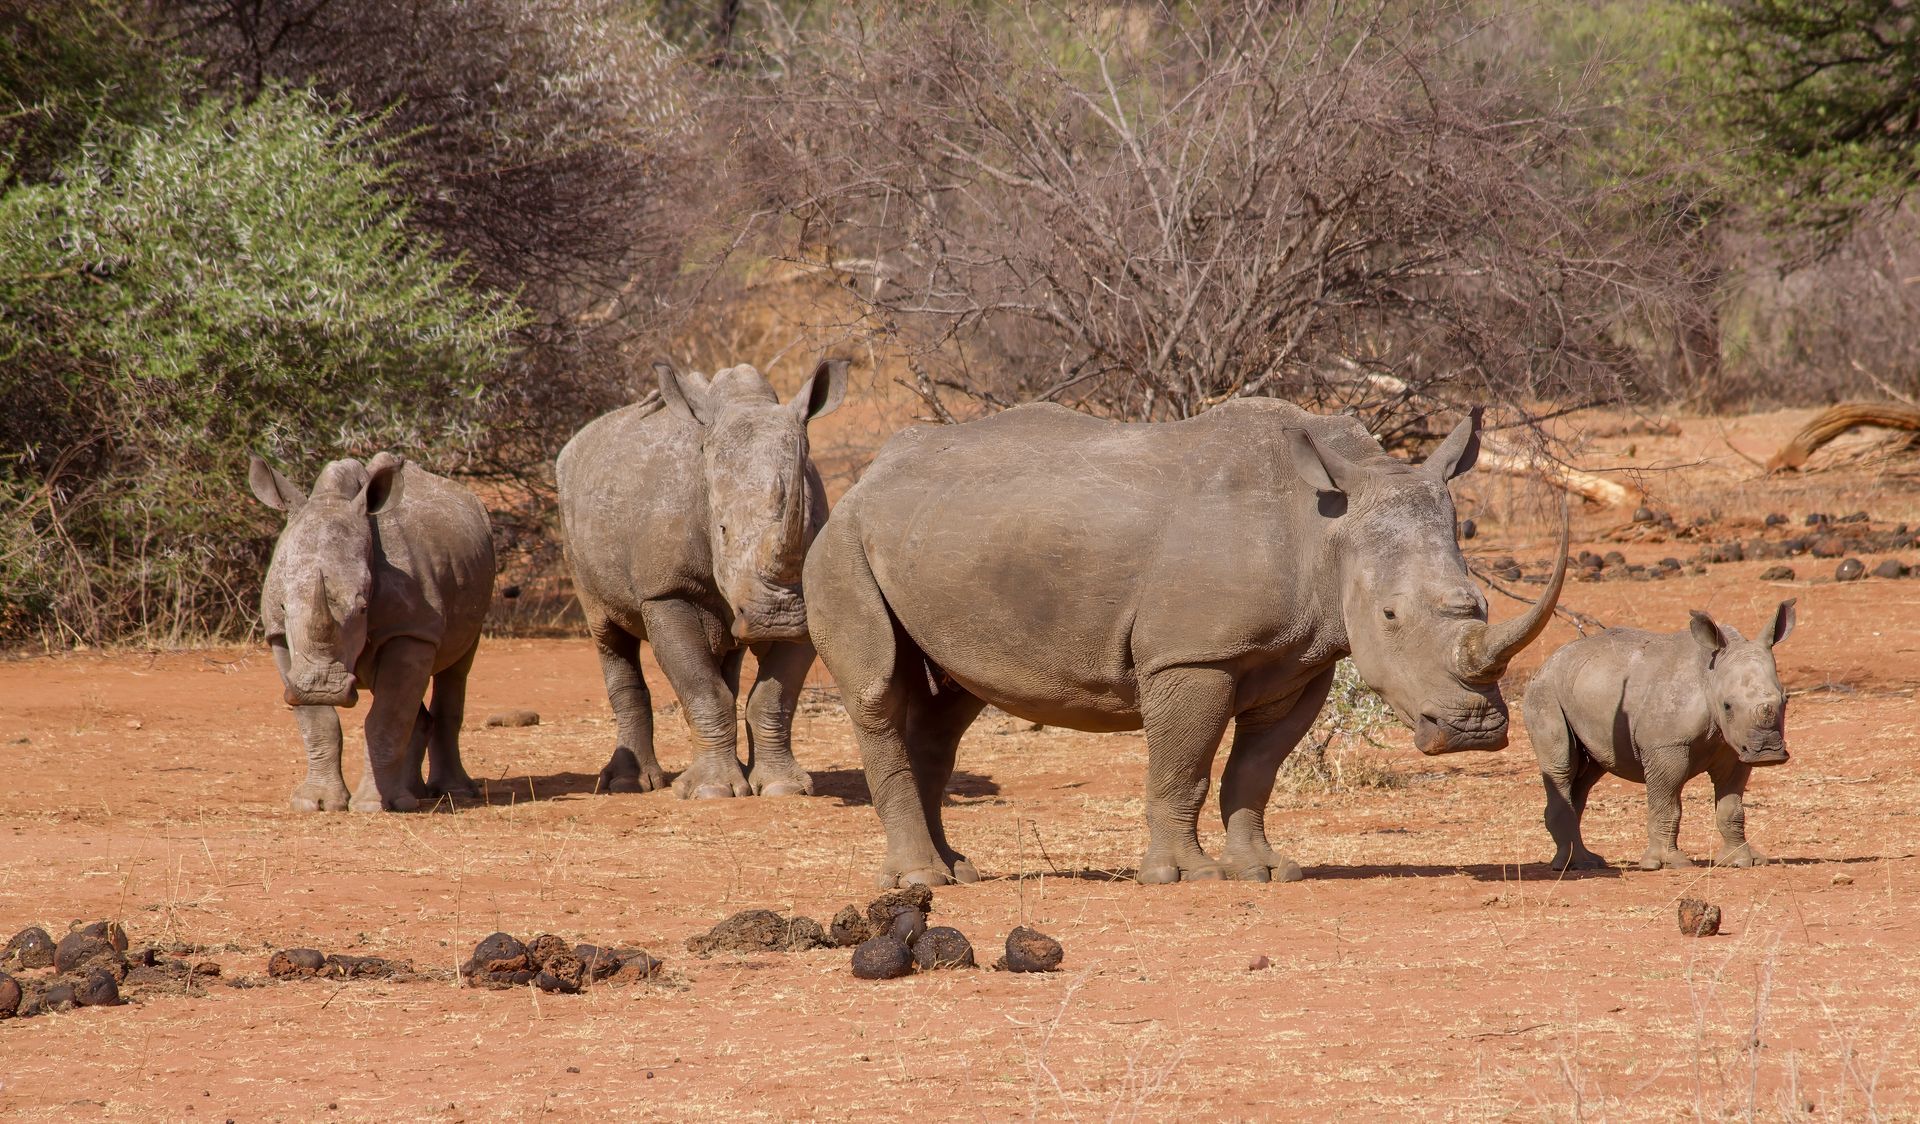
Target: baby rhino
(1658,709)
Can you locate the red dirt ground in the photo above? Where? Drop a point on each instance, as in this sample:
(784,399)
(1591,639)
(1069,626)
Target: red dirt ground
(1430,967)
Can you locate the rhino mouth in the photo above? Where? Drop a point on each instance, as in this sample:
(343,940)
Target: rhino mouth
(1437,734)
(333,686)
(1762,754)
(779,615)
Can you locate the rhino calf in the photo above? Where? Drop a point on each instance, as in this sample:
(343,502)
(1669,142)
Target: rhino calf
(380,580)
(687,519)
(1658,709)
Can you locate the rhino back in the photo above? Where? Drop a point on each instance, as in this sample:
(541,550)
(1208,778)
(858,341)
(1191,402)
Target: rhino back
(434,567)
(1043,558)
(633,508)
(1626,690)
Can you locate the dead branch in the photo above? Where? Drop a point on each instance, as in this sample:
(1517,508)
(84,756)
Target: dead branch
(1586,485)
(1836,420)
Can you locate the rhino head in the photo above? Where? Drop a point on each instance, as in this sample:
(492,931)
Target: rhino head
(759,494)
(321,579)
(1743,691)
(1415,622)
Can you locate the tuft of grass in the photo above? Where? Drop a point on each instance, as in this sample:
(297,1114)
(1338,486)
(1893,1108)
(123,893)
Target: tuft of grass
(1323,762)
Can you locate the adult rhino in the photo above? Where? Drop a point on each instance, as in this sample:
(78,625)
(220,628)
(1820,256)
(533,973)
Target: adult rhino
(1172,576)
(687,517)
(380,580)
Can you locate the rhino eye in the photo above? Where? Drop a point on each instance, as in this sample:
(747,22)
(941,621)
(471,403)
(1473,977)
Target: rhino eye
(1389,614)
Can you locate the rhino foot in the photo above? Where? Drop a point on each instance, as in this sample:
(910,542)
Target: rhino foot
(923,869)
(783,779)
(367,798)
(712,778)
(318,796)
(964,871)
(1743,855)
(1672,859)
(1581,859)
(1156,871)
(625,772)
(1262,865)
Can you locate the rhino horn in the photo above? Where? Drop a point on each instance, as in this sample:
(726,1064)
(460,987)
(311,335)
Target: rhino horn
(320,615)
(1487,648)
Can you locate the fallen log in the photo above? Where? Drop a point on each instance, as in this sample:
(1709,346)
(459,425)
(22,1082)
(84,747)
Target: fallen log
(1594,489)
(1836,420)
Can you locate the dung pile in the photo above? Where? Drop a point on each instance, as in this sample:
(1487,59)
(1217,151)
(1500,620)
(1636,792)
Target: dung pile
(892,939)
(311,963)
(760,930)
(551,964)
(88,967)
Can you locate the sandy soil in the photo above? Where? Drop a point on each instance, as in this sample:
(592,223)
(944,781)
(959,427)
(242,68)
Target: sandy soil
(1431,966)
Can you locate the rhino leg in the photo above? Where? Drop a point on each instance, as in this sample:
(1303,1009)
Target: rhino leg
(1568,774)
(1262,739)
(1186,710)
(401,671)
(679,634)
(323,790)
(633,767)
(416,754)
(935,724)
(782,671)
(1730,775)
(446,775)
(1663,808)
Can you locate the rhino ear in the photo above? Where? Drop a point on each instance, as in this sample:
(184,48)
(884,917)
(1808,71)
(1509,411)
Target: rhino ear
(1782,624)
(273,489)
(1324,469)
(385,481)
(1707,632)
(686,395)
(823,392)
(1457,454)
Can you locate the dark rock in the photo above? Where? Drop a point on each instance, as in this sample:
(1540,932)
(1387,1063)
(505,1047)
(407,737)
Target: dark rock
(1776,519)
(30,948)
(635,965)
(1890,568)
(1723,552)
(79,951)
(57,997)
(1643,515)
(1669,563)
(497,952)
(99,989)
(881,910)
(849,928)
(759,930)
(112,932)
(1815,518)
(1029,950)
(294,963)
(943,947)
(1756,550)
(340,966)
(9,996)
(909,925)
(1852,570)
(514,718)
(1856,517)
(1506,562)
(1510,574)
(1698,919)
(1259,964)
(1829,546)
(882,958)
(1800,544)
(1615,558)
(1468,528)
(511,593)
(1777,574)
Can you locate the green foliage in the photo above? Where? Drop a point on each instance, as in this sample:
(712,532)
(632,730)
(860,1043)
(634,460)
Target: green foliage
(1821,98)
(64,67)
(227,277)
(1354,712)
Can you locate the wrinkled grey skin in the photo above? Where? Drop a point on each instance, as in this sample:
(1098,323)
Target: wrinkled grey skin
(1171,576)
(381,580)
(1658,709)
(687,519)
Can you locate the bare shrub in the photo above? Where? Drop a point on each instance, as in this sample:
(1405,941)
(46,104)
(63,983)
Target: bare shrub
(1144,212)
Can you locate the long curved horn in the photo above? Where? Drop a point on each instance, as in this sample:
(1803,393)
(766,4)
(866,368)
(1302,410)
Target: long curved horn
(320,623)
(1486,650)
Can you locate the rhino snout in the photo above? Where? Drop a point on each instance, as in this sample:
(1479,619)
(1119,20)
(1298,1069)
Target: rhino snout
(332,686)
(1434,734)
(781,616)
(1763,751)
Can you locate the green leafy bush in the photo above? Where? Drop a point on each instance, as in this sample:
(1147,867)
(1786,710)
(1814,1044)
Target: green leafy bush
(230,276)
(1354,712)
